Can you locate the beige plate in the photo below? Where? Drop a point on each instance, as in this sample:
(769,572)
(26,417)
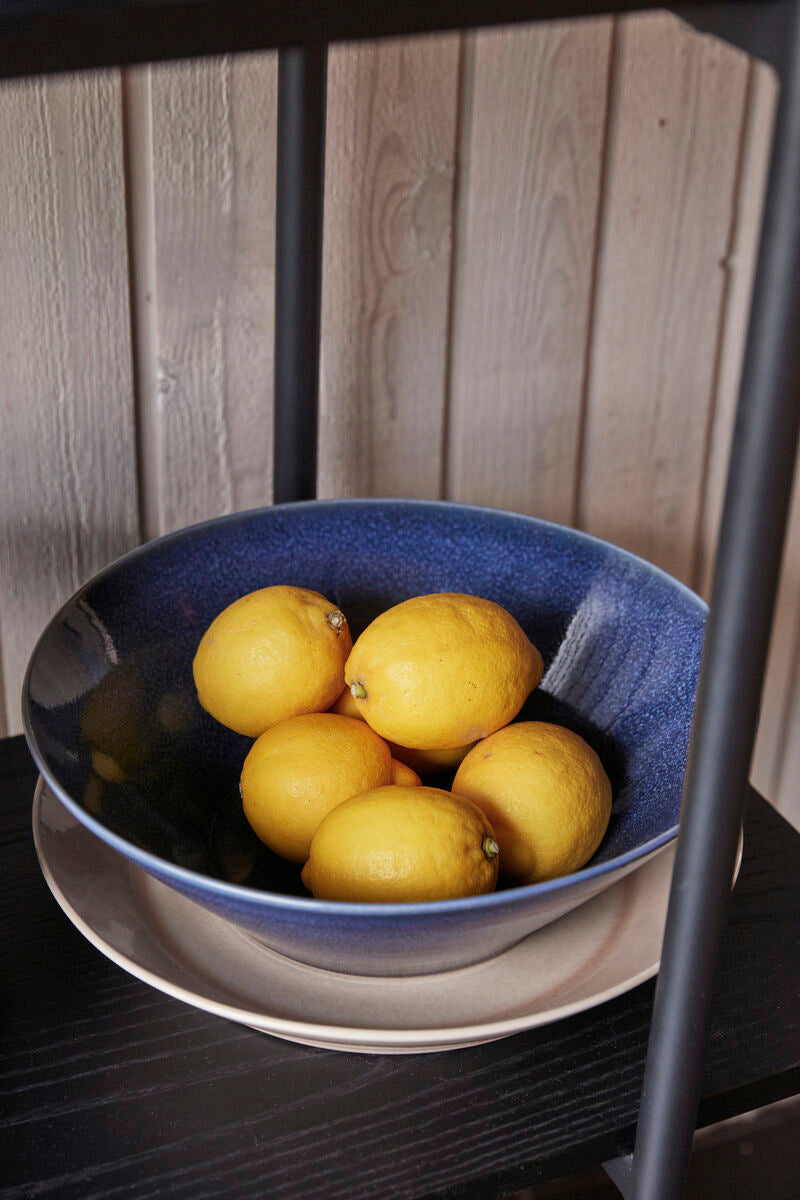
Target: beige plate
(604,948)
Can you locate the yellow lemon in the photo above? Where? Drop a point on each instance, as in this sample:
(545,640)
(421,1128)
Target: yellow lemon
(545,792)
(429,762)
(404,775)
(270,655)
(346,705)
(400,844)
(421,762)
(442,670)
(300,769)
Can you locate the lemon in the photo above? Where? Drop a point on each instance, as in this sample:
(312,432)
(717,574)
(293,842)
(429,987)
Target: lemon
(300,769)
(400,844)
(443,670)
(416,762)
(404,775)
(407,765)
(430,762)
(546,794)
(270,655)
(346,705)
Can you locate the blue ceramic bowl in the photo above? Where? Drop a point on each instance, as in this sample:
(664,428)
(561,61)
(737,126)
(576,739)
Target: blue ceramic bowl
(112,674)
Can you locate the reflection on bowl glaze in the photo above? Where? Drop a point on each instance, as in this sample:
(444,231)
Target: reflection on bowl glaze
(114,724)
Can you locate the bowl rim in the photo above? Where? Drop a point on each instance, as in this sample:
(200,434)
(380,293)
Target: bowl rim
(234,893)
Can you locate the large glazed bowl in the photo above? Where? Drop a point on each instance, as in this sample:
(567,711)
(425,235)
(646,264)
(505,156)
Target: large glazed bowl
(112,676)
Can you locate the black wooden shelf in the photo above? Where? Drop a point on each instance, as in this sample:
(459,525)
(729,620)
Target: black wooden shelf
(42,36)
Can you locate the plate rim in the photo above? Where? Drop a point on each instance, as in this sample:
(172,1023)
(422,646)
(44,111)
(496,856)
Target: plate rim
(336,1036)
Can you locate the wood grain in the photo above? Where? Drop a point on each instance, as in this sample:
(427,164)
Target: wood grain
(676,125)
(205,349)
(740,267)
(779,731)
(777,758)
(67,476)
(390,164)
(532,146)
(777,747)
(787,798)
(4,727)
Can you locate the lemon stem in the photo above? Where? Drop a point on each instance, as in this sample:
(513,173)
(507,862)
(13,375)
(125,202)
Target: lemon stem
(336,620)
(490,847)
(359,692)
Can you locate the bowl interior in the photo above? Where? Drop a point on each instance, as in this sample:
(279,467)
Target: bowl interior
(112,672)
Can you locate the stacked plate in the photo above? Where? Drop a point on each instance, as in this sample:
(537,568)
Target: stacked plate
(596,952)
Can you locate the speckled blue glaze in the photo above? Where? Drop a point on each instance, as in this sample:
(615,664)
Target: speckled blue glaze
(621,643)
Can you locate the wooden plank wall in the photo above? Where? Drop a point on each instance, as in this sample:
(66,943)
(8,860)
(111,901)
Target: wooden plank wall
(539,247)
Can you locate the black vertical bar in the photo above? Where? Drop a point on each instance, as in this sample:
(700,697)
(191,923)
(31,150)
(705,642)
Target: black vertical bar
(745,582)
(298,268)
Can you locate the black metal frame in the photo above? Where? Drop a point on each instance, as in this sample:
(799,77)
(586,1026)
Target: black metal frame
(108,32)
(299,203)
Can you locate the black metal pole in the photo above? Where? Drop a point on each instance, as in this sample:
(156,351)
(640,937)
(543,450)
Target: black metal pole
(745,582)
(298,268)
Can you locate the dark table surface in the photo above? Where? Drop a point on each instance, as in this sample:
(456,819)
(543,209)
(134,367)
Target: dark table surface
(110,1088)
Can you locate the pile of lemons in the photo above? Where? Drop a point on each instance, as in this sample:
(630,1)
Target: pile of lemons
(346,733)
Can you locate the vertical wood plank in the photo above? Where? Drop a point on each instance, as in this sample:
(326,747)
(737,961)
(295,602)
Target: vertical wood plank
(532,142)
(67,479)
(741,263)
(207,381)
(776,766)
(388,228)
(5,730)
(674,147)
